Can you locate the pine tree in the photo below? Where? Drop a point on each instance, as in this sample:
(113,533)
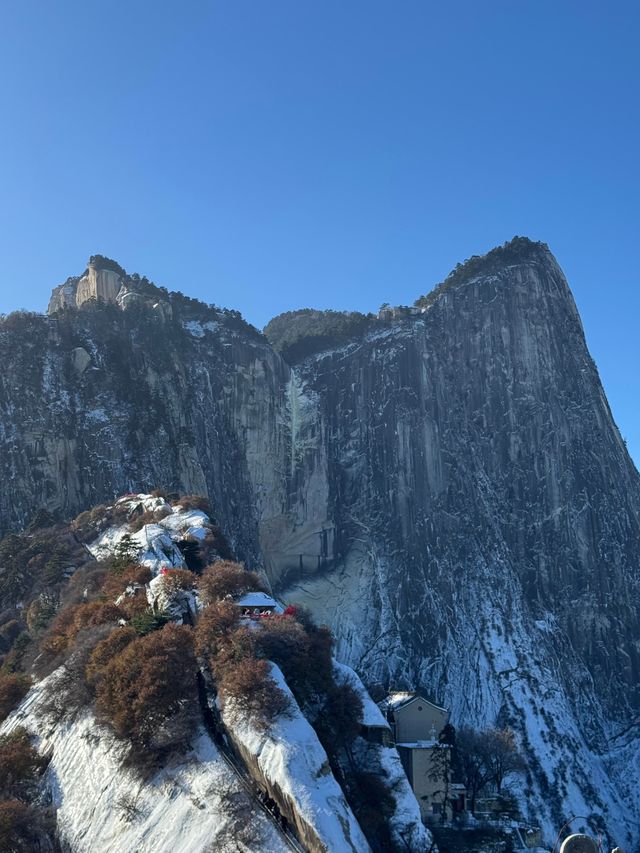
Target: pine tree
(125,554)
(54,568)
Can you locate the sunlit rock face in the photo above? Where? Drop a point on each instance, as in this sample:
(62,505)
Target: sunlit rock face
(446,489)
(98,284)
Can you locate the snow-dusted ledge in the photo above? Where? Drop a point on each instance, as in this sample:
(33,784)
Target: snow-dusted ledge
(291,761)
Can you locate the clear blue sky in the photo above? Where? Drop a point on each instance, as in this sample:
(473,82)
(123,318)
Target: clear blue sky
(270,155)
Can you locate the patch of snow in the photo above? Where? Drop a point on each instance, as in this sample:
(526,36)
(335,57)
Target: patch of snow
(191,806)
(291,757)
(371,715)
(255,599)
(155,544)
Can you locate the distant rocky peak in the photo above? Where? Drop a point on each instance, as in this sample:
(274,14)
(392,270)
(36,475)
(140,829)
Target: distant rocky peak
(518,251)
(101,280)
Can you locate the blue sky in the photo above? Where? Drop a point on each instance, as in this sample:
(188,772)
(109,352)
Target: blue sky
(343,153)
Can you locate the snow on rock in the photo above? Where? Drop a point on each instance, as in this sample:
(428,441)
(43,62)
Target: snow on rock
(195,804)
(371,714)
(290,759)
(405,824)
(155,543)
(175,603)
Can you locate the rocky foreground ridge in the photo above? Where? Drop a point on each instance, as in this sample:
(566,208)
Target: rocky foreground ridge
(443,485)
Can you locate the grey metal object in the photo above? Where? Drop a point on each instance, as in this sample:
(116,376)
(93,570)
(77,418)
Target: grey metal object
(579,843)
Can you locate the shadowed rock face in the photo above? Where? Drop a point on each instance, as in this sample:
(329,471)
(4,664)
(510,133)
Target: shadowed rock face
(447,489)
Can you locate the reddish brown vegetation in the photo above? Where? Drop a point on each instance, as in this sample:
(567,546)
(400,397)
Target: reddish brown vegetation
(198,502)
(147,693)
(249,684)
(106,651)
(149,516)
(303,655)
(22,827)
(70,622)
(115,584)
(20,764)
(215,624)
(178,579)
(13,688)
(226,578)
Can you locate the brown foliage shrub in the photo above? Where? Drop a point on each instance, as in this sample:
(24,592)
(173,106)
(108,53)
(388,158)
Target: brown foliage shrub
(239,645)
(284,641)
(13,688)
(198,502)
(24,829)
(338,723)
(15,820)
(226,578)
(20,764)
(134,605)
(91,523)
(68,691)
(115,584)
(174,580)
(85,583)
(106,650)
(147,693)
(216,622)
(72,620)
(303,655)
(149,516)
(250,687)
(216,542)
(69,622)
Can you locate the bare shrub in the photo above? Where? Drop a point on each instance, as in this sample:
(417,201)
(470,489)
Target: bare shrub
(68,691)
(227,578)
(199,502)
(216,622)
(20,765)
(250,687)
(241,830)
(115,584)
(128,807)
(147,693)
(13,688)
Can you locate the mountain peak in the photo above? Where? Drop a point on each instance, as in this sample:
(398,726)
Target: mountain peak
(518,250)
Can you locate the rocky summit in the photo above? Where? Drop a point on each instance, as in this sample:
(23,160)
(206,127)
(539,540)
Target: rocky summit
(442,484)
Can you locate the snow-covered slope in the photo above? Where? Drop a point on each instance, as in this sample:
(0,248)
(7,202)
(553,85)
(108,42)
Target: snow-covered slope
(290,759)
(194,805)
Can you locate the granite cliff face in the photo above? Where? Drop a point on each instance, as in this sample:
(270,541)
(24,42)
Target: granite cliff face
(445,487)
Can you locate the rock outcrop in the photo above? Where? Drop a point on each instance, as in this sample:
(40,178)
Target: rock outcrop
(101,281)
(444,486)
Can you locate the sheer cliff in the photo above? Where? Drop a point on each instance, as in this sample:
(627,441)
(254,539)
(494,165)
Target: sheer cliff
(444,485)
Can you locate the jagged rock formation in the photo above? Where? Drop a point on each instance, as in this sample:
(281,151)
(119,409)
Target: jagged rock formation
(444,485)
(102,280)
